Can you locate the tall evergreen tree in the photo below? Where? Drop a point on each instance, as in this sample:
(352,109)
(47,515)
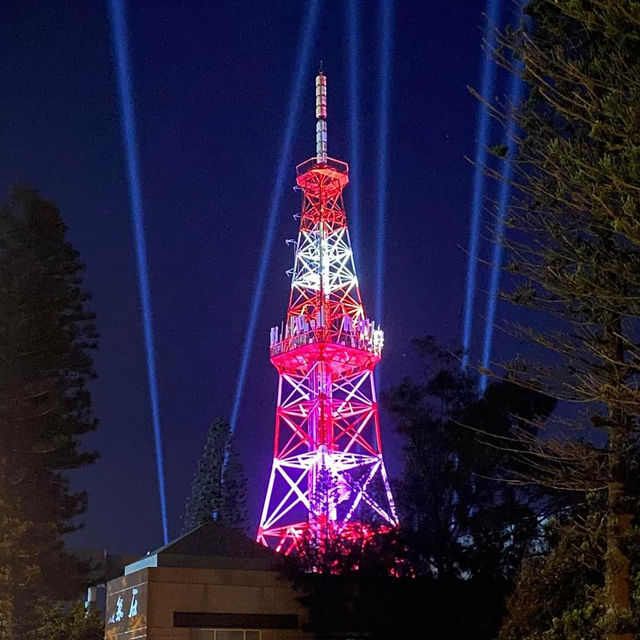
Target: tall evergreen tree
(46,335)
(575,254)
(219,487)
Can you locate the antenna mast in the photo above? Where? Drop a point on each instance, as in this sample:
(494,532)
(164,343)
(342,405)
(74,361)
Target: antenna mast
(321,118)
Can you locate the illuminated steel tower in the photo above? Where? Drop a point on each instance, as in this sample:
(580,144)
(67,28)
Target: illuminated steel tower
(328,478)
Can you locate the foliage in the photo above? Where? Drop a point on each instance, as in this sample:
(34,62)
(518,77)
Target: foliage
(463,529)
(59,622)
(370,590)
(574,256)
(373,551)
(389,608)
(218,490)
(46,335)
(560,593)
(460,516)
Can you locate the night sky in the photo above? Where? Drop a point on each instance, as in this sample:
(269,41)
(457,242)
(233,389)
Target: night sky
(212,82)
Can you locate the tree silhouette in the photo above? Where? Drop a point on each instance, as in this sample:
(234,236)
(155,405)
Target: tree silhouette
(46,335)
(219,485)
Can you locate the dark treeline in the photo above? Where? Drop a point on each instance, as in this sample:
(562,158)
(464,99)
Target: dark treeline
(465,529)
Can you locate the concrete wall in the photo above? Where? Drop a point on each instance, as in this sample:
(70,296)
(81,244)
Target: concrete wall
(170,590)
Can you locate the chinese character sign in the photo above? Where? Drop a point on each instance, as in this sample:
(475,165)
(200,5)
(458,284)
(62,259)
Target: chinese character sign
(126,608)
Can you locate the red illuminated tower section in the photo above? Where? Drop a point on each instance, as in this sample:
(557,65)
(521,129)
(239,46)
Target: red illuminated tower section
(328,477)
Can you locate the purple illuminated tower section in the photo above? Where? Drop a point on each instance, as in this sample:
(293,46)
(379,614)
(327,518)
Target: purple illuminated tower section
(328,478)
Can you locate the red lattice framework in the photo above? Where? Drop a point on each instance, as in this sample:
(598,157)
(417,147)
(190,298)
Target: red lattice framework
(328,477)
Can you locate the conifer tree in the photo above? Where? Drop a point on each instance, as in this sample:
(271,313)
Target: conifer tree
(219,485)
(46,336)
(575,254)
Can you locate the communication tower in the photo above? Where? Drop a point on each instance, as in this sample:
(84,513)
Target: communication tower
(328,478)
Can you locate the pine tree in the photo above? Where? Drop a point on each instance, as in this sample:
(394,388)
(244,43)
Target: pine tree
(219,486)
(233,512)
(46,335)
(574,252)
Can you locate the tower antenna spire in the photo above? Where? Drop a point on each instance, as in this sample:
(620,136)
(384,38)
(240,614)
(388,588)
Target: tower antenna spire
(321,117)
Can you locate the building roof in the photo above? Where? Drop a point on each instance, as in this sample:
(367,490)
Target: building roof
(210,546)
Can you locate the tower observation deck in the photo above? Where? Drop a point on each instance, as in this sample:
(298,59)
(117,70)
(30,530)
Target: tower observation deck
(328,478)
